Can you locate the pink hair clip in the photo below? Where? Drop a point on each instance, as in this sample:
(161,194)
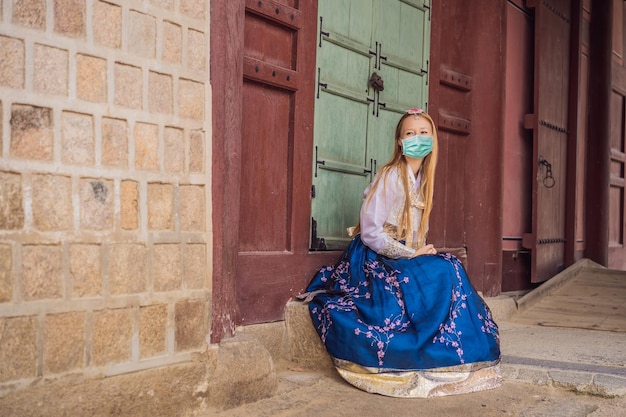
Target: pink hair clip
(415,110)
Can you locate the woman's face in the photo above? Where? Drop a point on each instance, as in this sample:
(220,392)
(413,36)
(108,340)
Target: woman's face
(412,126)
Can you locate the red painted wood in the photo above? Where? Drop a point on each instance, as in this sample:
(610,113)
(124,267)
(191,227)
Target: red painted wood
(598,151)
(226,74)
(468,200)
(273,261)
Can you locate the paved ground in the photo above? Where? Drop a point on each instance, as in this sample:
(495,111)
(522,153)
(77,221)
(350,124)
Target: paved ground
(307,394)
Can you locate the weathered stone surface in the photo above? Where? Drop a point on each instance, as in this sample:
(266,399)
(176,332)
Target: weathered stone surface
(78,143)
(191,324)
(52,202)
(11,62)
(163,392)
(196,50)
(18,348)
(160,93)
(85,270)
(244,373)
(11,207)
(142,34)
(32,132)
(111,336)
(196,151)
(146,146)
(30,13)
(172,43)
(167,267)
(305,347)
(51,70)
(193,8)
(107,24)
(114,142)
(174,150)
(164,4)
(6,266)
(160,206)
(195,266)
(96,204)
(42,272)
(128,86)
(191,99)
(127,268)
(192,207)
(152,330)
(69,17)
(129,211)
(91,78)
(64,342)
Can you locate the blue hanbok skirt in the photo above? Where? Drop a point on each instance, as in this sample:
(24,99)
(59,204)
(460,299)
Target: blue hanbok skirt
(383,315)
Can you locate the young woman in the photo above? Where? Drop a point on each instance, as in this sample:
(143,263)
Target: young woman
(397,317)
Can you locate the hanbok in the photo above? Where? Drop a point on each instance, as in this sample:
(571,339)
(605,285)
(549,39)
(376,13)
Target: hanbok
(400,326)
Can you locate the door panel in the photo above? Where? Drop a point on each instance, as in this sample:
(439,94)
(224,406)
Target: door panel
(549,123)
(355,122)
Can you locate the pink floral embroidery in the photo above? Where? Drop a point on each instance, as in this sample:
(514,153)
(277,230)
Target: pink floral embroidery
(415,110)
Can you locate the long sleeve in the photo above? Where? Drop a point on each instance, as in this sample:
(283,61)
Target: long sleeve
(386,200)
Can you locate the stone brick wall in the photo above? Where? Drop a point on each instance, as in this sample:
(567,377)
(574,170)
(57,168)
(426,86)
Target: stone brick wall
(104,186)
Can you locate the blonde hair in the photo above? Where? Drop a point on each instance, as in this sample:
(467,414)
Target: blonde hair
(427,184)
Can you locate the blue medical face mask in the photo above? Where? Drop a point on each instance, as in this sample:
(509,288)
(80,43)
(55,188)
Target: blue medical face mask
(417,146)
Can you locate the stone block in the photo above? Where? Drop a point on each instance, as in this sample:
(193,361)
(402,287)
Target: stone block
(167,267)
(78,143)
(244,373)
(192,207)
(42,272)
(127,268)
(69,18)
(164,4)
(191,99)
(30,13)
(91,78)
(146,146)
(174,142)
(304,344)
(172,42)
(107,24)
(6,267)
(96,204)
(11,207)
(64,342)
(141,34)
(128,86)
(160,206)
(50,70)
(85,270)
(191,329)
(196,151)
(196,50)
(160,93)
(18,348)
(32,132)
(195,266)
(152,330)
(52,202)
(114,142)
(11,62)
(195,9)
(129,202)
(111,336)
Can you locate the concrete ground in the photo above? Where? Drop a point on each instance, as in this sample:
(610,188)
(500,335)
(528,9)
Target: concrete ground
(547,371)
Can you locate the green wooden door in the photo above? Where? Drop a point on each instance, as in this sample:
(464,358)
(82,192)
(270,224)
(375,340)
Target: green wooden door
(354,121)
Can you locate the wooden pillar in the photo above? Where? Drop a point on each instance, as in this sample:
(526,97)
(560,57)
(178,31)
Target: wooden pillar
(227,20)
(599,145)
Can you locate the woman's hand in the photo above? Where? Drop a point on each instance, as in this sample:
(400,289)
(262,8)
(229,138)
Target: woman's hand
(425,250)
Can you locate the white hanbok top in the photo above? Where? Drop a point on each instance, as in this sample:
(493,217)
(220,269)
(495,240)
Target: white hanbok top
(381,215)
